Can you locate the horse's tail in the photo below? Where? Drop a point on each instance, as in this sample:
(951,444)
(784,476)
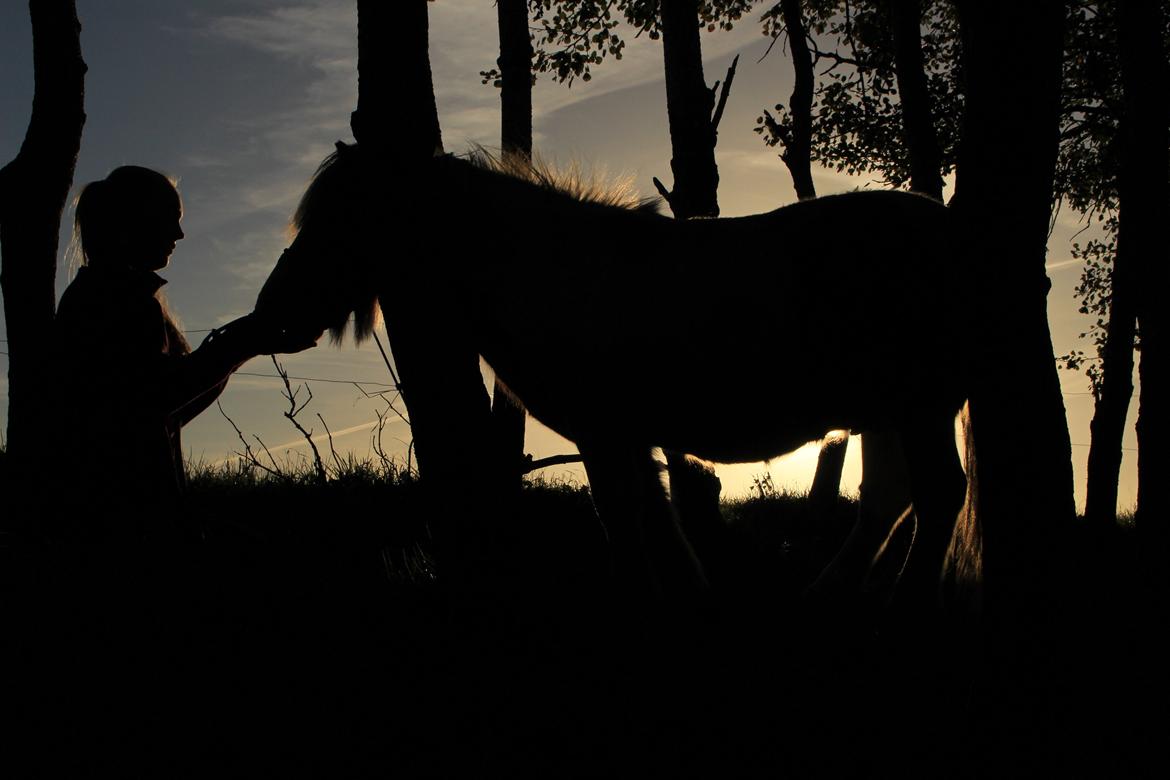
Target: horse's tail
(963,580)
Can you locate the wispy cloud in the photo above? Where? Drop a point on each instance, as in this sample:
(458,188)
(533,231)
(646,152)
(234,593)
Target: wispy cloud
(321,36)
(252,255)
(1063,264)
(309,31)
(464,42)
(366,427)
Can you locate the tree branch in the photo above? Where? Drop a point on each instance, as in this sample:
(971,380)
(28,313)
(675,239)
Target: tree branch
(718,116)
(555,460)
(291,416)
(658,185)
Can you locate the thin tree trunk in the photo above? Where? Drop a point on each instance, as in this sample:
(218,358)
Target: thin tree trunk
(515,63)
(917,125)
(797,157)
(925,177)
(694,122)
(33,189)
(1110,410)
(885,489)
(797,154)
(1145,190)
(689,106)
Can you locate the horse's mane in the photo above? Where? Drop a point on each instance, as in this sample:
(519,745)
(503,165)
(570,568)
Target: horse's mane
(318,182)
(331,192)
(320,203)
(574,180)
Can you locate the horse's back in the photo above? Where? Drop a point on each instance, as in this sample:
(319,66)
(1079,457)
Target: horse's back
(741,338)
(842,312)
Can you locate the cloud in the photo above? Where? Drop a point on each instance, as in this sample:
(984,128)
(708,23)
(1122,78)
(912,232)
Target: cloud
(367,427)
(463,42)
(1063,265)
(316,32)
(321,37)
(252,255)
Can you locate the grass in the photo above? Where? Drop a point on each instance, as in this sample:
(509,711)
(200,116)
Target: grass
(318,631)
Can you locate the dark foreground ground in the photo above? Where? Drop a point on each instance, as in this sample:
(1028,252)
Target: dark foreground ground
(309,635)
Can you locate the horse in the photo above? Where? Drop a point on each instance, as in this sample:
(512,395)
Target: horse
(733,339)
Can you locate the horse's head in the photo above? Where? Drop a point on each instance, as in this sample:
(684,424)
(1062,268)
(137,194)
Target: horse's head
(330,270)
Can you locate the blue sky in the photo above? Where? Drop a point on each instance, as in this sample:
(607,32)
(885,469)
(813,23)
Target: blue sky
(240,99)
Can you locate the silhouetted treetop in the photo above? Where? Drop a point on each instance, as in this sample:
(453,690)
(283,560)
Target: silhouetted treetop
(575,35)
(1091,151)
(858,121)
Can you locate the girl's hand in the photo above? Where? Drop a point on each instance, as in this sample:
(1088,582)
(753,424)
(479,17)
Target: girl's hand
(269,338)
(253,334)
(287,341)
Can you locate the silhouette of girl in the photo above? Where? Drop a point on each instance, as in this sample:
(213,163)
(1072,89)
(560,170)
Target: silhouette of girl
(131,380)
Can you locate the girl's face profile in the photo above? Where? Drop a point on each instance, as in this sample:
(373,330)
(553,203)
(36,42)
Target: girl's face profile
(130,219)
(160,231)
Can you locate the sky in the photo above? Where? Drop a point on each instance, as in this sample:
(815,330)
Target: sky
(241,99)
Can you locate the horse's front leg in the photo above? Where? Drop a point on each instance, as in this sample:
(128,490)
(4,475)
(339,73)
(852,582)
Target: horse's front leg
(650,552)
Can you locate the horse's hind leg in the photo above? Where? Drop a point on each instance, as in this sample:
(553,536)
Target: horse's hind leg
(649,550)
(882,508)
(939,487)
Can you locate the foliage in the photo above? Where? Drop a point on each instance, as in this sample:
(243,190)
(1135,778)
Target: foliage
(1094,291)
(1090,151)
(1086,173)
(1090,157)
(576,35)
(857,118)
(1086,170)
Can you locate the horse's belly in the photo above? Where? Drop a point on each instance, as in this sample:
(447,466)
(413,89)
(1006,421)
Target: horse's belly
(740,377)
(747,431)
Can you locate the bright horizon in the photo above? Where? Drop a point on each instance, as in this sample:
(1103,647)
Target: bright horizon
(241,100)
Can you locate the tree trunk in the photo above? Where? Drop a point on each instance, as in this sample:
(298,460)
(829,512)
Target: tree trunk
(1145,192)
(396,95)
(797,155)
(33,189)
(1110,410)
(1005,196)
(1024,486)
(442,385)
(917,125)
(515,63)
(925,177)
(689,107)
(885,489)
